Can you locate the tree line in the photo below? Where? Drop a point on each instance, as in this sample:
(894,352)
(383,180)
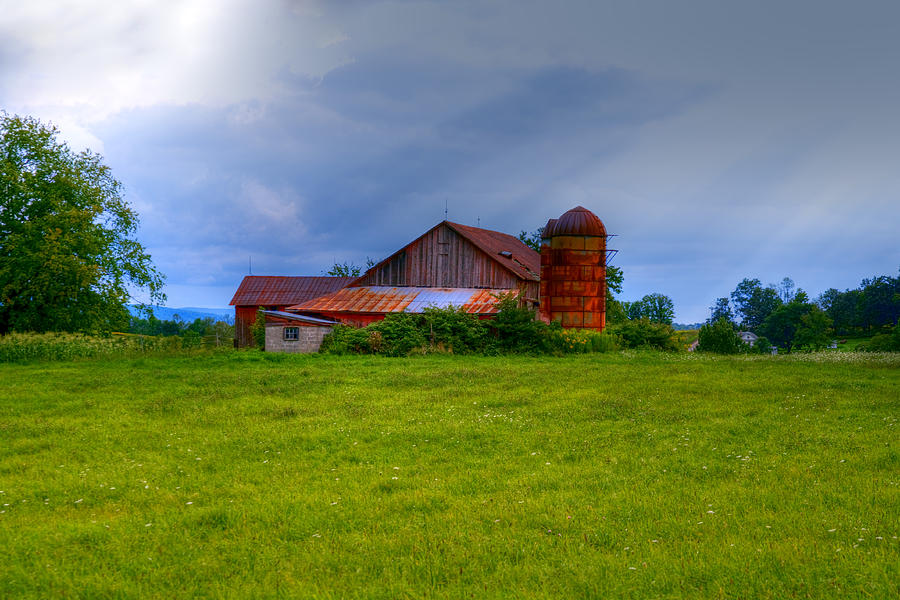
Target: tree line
(784,315)
(218,332)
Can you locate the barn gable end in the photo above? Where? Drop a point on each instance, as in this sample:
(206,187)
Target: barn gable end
(450,255)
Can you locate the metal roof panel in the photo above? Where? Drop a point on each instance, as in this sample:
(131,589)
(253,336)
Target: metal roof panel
(266,290)
(384,299)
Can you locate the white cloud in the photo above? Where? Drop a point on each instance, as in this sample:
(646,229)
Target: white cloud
(86,60)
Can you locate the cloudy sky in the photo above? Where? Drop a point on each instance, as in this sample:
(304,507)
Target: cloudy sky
(719,140)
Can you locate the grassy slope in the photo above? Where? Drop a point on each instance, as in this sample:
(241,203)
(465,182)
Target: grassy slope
(594,476)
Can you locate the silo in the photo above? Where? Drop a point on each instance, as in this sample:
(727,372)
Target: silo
(573,270)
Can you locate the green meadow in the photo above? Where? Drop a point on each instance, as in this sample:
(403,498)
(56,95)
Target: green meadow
(634,475)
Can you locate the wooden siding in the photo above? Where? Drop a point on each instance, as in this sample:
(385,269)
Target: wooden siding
(442,258)
(244,317)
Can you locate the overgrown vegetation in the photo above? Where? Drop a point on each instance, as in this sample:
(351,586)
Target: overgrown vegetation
(884,342)
(23,347)
(644,333)
(636,475)
(258,329)
(514,330)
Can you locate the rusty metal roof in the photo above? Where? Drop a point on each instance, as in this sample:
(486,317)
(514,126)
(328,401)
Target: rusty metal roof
(508,250)
(383,299)
(578,221)
(265,290)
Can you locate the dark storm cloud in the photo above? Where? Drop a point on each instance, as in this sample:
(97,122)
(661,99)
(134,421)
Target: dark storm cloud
(293,187)
(720,140)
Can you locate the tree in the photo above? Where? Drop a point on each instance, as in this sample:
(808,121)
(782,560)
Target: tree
(841,307)
(533,239)
(344,269)
(785,289)
(720,310)
(349,269)
(880,302)
(797,324)
(68,256)
(720,337)
(614,280)
(633,310)
(885,342)
(753,303)
(615,310)
(813,332)
(659,308)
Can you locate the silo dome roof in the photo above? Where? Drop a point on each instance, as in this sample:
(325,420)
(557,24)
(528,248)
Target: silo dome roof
(578,221)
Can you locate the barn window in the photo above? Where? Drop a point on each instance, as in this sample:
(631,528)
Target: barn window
(292,333)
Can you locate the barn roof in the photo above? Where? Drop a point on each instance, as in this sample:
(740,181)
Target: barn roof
(267,290)
(506,249)
(382,299)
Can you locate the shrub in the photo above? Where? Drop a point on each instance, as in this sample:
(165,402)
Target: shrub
(258,329)
(578,341)
(513,330)
(516,330)
(401,333)
(455,330)
(884,342)
(344,339)
(720,337)
(762,346)
(643,333)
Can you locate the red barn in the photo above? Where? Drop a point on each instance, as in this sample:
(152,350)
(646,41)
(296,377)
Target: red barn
(452,265)
(449,265)
(275,293)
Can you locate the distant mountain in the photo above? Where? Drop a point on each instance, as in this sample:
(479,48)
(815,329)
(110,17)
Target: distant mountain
(686,326)
(187,314)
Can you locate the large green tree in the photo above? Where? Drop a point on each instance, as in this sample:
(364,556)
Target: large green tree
(843,308)
(753,303)
(654,307)
(68,254)
(720,310)
(814,332)
(797,324)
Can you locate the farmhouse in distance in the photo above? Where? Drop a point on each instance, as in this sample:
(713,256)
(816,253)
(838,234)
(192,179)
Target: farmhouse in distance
(450,265)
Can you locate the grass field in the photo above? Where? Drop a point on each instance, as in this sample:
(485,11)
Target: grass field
(617,475)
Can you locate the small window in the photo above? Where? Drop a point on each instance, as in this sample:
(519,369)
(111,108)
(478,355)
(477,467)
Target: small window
(292,333)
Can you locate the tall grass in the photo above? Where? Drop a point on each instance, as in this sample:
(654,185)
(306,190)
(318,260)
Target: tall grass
(23,347)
